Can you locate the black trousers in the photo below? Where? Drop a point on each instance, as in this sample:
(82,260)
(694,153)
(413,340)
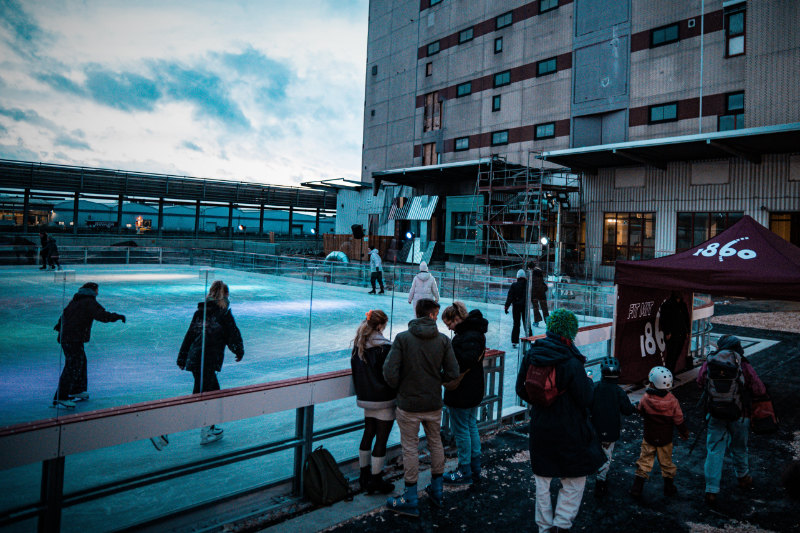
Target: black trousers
(518,313)
(674,348)
(74,377)
(210,382)
(537,317)
(376,276)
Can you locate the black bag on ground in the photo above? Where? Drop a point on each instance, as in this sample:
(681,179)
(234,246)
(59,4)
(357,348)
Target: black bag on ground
(323,482)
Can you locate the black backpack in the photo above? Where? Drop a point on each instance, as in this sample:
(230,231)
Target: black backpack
(323,482)
(724,386)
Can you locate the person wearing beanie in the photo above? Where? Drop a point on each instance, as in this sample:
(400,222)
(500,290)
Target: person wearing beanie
(423,287)
(561,439)
(74,329)
(728,412)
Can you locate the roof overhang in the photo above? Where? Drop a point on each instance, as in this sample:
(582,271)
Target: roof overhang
(334,184)
(749,143)
(446,172)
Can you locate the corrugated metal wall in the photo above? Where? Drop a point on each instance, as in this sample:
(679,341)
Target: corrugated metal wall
(753,189)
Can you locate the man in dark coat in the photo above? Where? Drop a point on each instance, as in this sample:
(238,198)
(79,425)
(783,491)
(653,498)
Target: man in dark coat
(74,329)
(43,249)
(539,297)
(676,325)
(562,441)
(52,253)
(517,295)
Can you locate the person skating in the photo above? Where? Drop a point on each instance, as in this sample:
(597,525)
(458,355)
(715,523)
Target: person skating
(661,412)
(52,253)
(220,331)
(43,249)
(463,396)
(609,402)
(419,361)
(74,329)
(375,397)
(517,295)
(562,442)
(539,297)
(423,287)
(376,270)
(730,382)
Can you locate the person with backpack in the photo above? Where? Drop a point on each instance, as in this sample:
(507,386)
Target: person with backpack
(375,397)
(661,412)
(553,381)
(220,331)
(609,403)
(74,329)
(463,396)
(729,382)
(420,360)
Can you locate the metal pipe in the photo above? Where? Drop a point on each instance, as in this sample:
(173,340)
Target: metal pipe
(702,31)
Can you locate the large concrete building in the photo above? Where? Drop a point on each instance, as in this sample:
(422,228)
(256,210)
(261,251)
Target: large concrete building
(658,123)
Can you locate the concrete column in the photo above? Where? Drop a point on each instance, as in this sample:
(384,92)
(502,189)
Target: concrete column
(261,221)
(119,214)
(26,207)
(75,213)
(230,220)
(160,216)
(197,220)
(291,219)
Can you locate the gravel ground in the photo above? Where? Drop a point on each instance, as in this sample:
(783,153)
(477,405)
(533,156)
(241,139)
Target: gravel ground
(779,321)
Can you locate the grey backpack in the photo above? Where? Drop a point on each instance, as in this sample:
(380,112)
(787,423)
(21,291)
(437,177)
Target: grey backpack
(724,385)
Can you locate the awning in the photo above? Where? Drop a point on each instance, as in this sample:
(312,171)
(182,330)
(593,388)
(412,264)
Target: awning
(749,143)
(446,172)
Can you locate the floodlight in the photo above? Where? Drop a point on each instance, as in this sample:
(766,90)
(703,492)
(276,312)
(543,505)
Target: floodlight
(242,228)
(409,235)
(544,241)
(313,231)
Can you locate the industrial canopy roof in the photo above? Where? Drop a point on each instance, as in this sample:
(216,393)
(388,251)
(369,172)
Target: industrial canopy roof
(458,171)
(749,143)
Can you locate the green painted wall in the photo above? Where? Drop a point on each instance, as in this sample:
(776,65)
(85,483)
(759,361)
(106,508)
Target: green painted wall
(463,204)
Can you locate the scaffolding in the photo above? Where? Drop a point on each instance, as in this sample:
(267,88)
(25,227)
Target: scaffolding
(521,206)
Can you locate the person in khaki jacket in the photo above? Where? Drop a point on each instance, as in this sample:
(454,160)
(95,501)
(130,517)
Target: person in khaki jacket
(420,360)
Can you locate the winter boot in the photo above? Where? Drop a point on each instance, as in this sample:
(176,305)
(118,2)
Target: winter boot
(475,467)
(600,488)
(459,476)
(407,503)
(669,487)
(381,292)
(364,478)
(638,487)
(379,485)
(434,490)
(371,292)
(207,436)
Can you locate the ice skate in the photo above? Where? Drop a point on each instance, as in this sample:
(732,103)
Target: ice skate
(80,396)
(160,442)
(371,292)
(65,404)
(216,430)
(207,436)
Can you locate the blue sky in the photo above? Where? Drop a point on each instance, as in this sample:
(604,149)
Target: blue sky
(269,91)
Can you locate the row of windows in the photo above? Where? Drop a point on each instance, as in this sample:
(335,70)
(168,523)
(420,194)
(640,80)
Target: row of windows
(543,68)
(734,33)
(541,131)
(732,119)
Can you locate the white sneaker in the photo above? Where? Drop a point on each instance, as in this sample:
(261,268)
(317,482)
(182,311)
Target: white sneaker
(79,396)
(160,442)
(66,404)
(207,437)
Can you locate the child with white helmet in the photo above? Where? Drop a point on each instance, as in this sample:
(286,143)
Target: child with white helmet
(661,412)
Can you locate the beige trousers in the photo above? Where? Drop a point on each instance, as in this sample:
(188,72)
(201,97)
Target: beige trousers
(409,423)
(649,452)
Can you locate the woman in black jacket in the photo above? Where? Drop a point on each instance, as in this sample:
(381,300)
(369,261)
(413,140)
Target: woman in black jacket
(370,349)
(220,331)
(463,395)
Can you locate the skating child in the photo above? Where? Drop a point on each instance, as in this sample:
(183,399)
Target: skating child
(609,402)
(661,412)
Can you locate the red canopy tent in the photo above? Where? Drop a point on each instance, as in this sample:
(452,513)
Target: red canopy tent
(747,259)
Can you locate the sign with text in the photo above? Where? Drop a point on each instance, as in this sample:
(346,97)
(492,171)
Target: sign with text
(639,342)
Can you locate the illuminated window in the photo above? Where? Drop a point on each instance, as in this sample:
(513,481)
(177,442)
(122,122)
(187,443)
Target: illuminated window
(628,236)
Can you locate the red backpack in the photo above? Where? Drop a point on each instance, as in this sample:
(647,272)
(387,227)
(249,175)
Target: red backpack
(540,384)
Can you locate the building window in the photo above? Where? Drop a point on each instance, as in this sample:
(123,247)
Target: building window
(498,45)
(547,66)
(429,155)
(428,69)
(663,113)
(734,32)
(496,102)
(547,5)
(545,131)
(786,226)
(628,236)
(696,228)
(434,2)
(463,227)
(664,35)
(503,78)
(432,113)
(506,19)
(733,119)
(465,35)
(500,137)
(462,143)
(464,89)
(374,70)
(433,48)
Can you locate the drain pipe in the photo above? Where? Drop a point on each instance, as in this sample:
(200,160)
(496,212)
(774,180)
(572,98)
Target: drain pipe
(702,35)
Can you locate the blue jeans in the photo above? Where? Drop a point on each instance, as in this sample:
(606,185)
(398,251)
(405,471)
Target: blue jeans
(723,436)
(464,423)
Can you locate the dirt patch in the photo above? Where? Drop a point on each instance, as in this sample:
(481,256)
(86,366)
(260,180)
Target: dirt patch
(788,321)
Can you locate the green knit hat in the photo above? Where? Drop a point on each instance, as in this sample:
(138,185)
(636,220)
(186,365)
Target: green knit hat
(564,323)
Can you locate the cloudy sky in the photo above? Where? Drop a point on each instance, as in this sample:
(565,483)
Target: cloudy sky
(262,90)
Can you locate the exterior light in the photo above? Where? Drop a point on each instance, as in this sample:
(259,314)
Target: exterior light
(544,241)
(409,235)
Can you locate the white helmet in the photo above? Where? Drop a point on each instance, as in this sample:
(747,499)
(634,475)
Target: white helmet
(661,378)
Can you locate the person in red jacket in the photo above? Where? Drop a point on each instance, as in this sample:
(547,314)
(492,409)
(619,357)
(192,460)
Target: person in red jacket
(661,412)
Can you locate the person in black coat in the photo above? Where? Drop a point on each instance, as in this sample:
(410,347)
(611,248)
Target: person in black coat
(43,249)
(52,253)
(539,296)
(610,401)
(74,329)
(563,443)
(220,331)
(463,395)
(517,295)
(370,349)
(676,325)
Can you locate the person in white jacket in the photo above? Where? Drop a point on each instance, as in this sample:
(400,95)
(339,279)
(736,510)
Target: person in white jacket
(423,287)
(376,270)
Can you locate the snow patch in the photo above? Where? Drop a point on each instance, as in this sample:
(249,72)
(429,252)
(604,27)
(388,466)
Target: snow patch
(521,457)
(734,527)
